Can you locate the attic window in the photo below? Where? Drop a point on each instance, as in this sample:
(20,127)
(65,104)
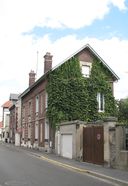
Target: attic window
(85,70)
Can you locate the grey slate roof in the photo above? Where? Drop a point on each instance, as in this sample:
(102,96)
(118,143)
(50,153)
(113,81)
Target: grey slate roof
(13,96)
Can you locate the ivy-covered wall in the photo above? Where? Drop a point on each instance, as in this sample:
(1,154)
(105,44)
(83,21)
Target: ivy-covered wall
(74,97)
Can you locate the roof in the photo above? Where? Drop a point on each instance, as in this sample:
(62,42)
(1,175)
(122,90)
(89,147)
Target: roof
(87,46)
(7,104)
(34,84)
(14,96)
(95,54)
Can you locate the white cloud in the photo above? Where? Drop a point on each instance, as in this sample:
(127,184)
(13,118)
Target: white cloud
(23,15)
(120,4)
(114,51)
(18,53)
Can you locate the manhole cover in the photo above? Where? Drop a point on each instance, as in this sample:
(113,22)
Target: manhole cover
(16,183)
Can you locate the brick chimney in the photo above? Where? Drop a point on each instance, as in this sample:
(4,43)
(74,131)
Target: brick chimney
(31,77)
(47,62)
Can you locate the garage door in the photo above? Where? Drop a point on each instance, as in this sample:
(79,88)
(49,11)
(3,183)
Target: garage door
(66,145)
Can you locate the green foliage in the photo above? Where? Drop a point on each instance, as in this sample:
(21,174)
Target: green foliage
(74,97)
(123,111)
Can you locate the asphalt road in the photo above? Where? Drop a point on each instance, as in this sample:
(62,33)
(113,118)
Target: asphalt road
(19,168)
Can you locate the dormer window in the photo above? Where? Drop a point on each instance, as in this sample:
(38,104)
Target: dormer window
(86,70)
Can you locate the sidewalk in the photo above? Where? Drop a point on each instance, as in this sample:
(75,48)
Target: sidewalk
(114,175)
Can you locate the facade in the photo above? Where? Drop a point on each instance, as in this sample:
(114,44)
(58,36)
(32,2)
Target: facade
(12,124)
(15,123)
(36,130)
(35,127)
(1,126)
(6,116)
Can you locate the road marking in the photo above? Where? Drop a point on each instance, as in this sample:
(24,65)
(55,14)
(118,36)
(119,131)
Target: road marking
(91,173)
(105,178)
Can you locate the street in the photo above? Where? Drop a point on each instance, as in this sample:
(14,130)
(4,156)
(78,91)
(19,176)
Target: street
(19,168)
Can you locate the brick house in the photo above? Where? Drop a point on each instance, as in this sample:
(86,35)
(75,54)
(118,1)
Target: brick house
(7,107)
(36,130)
(13,125)
(1,126)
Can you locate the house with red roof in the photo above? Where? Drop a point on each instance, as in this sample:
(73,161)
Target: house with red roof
(5,120)
(6,116)
(1,126)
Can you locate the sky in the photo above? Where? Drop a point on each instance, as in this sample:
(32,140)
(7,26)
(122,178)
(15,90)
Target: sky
(30,28)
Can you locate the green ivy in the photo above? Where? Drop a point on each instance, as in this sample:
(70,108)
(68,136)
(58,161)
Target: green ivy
(73,97)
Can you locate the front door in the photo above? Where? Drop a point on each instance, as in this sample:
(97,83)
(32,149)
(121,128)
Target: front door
(93,144)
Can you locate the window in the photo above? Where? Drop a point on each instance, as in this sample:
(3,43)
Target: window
(37,104)
(23,133)
(23,112)
(29,109)
(46,129)
(46,100)
(41,133)
(36,131)
(100,100)
(85,70)
(41,103)
(29,132)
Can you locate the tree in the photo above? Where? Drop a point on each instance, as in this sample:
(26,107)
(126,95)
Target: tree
(123,111)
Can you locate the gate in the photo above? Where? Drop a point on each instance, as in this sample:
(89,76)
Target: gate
(93,144)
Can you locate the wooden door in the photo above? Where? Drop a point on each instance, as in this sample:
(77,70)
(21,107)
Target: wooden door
(93,144)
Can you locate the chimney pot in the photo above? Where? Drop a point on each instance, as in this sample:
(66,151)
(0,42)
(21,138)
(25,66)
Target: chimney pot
(47,62)
(32,77)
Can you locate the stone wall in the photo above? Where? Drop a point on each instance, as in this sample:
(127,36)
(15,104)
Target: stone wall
(121,153)
(114,154)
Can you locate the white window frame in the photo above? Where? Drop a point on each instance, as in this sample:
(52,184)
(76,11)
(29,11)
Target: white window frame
(37,104)
(41,131)
(29,131)
(41,103)
(88,65)
(23,133)
(36,131)
(86,70)
(101,102)
(46,100)
(46,129)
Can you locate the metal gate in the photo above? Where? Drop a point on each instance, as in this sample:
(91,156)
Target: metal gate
(93,144)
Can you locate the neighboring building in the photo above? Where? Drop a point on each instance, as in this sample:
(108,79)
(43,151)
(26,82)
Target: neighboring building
(15,123)
(36,130)
(13,97)
(1,127)
(6,116)
(35,127)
